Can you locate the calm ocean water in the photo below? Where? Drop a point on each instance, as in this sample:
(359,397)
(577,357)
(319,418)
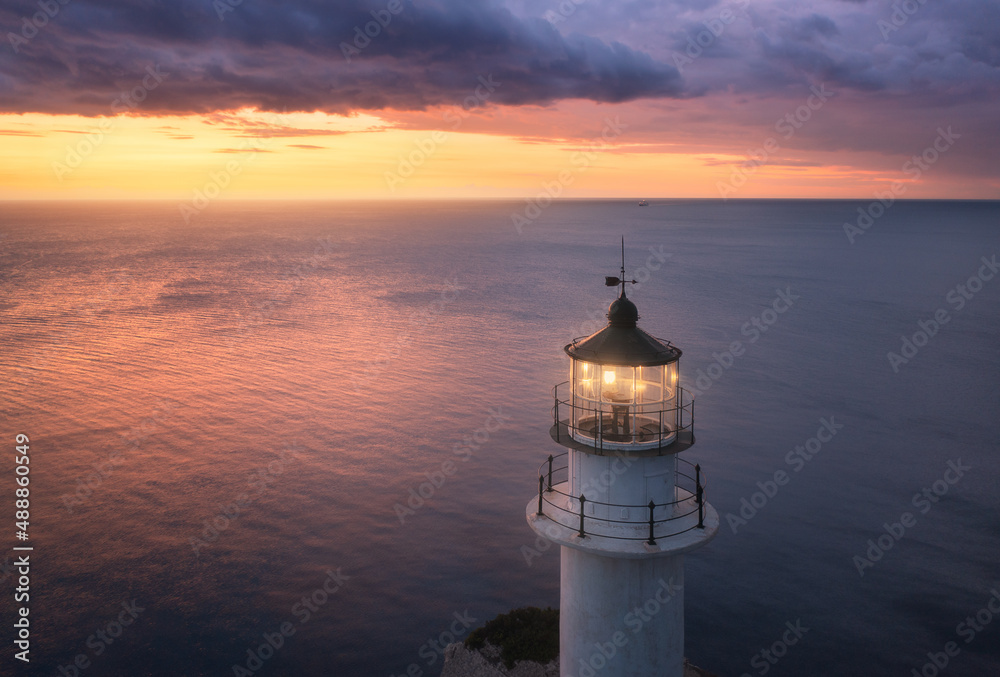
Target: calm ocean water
(223,412)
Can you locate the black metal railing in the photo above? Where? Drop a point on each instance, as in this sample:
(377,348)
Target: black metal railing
(550,478)
(597,420)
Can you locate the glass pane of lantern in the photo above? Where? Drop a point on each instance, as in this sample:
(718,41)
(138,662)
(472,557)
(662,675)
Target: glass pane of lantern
(670,377)
(586,380)
(649,384)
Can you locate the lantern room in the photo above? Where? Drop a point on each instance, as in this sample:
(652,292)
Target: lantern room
(623,392)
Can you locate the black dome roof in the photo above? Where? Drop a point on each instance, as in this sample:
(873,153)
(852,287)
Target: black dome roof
(622,342)
(622,312)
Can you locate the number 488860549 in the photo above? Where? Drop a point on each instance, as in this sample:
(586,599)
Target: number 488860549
(22,470)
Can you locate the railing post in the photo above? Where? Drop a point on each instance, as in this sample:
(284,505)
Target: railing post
(652,507)
(541,488)
(550,472)
(583,499)
(556,394)
(699,496)
(659,445)
(692,420)
(599,413)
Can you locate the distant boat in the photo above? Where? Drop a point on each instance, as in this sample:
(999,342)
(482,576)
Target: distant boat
(643,203)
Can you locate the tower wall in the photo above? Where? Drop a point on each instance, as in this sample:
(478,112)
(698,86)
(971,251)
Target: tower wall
(624,480)
(621,617)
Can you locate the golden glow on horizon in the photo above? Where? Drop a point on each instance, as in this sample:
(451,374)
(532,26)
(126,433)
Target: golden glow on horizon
(250,154)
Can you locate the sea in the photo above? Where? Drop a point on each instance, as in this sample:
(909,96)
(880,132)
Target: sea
(298,438)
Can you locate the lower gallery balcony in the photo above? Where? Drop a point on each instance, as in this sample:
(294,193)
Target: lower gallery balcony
(625,529)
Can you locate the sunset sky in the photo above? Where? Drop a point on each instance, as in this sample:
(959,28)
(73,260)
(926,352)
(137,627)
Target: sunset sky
(395,99)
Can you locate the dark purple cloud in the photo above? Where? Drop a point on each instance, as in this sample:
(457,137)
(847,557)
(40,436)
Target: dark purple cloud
(939,52)
(226,54)
(291,56)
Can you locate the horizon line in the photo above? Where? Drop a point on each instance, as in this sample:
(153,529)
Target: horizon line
(498,199)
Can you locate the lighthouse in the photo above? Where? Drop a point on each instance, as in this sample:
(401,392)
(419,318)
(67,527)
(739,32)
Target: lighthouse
(620,501)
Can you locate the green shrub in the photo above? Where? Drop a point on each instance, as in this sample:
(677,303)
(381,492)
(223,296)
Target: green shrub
(528,634)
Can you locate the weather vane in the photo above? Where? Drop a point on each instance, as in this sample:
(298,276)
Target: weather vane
(615,281)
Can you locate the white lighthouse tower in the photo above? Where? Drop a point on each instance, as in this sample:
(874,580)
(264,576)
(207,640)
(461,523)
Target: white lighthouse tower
(621,502)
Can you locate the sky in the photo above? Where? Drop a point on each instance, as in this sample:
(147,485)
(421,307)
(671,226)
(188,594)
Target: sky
(393,99)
